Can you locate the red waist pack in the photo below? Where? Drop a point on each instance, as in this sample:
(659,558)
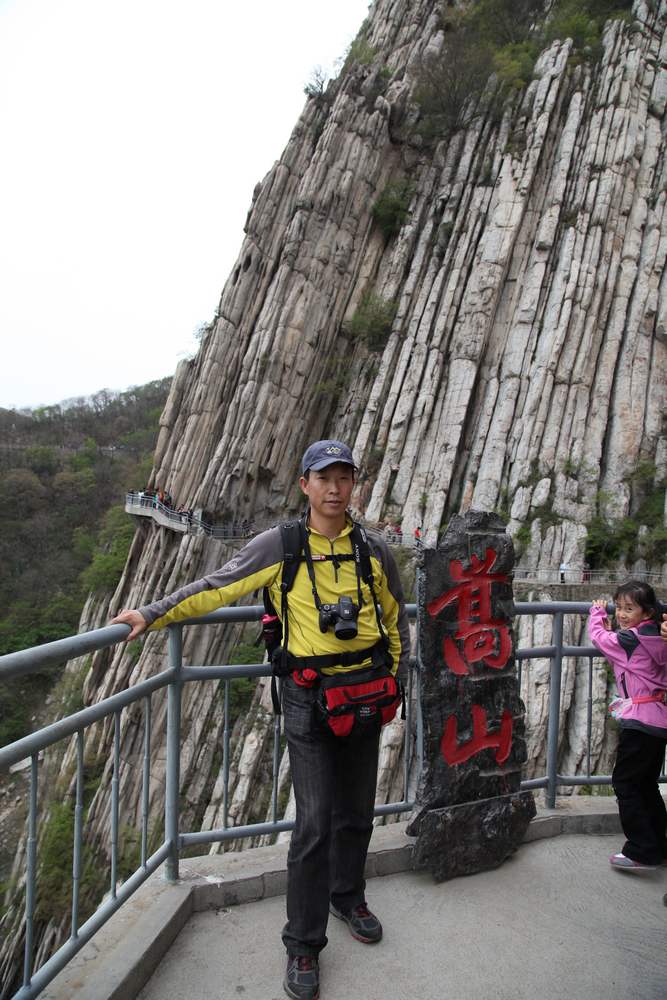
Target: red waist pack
(358,698)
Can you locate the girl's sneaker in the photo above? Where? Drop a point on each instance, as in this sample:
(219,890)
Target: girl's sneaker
(628,865)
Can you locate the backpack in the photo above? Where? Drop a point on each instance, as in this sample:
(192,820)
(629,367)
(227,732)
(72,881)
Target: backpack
(351,699)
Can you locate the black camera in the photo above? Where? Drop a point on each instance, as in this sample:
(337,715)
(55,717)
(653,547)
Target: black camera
(343,616)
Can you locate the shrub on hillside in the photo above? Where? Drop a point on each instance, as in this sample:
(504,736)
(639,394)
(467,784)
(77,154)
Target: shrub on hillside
(391,208)
(372,322)
(503,37)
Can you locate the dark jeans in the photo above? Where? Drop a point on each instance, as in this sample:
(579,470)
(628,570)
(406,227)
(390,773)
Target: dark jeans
(641,807)
(334,783)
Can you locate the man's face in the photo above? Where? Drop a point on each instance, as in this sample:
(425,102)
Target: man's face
(329,490)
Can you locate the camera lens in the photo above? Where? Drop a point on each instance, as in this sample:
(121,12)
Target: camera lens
(346,614)
(345,629)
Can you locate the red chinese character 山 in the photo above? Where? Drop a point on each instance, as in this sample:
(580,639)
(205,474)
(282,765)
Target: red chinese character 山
(456,753)
(484,639)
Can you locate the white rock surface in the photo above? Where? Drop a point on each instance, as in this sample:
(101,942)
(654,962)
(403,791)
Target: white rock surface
(525,370)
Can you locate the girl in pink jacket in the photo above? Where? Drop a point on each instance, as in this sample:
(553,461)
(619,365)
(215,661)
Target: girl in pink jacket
(639,658)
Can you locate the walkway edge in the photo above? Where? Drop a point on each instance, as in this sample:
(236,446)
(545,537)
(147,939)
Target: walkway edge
(123,955)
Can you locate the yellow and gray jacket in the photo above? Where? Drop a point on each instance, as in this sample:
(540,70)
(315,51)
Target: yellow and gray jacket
(259,564)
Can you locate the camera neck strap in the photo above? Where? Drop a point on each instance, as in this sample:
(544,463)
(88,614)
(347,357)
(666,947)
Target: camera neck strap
(362,559)
(335,558)
(295,542)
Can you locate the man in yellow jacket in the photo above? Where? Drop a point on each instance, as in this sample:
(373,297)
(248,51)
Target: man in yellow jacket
(334,778)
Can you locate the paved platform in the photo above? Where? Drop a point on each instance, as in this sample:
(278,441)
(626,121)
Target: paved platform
(554,922)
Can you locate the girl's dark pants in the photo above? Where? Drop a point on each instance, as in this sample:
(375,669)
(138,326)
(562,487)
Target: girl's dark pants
(639,761)
(334,783)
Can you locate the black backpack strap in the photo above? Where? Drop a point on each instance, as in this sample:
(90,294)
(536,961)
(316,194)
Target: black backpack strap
(362,555)
(290,535)
(267,602)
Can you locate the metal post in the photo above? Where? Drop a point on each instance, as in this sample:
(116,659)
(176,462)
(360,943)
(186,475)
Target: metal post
(173,776)
(78,834)
(407,733)
(554,710)
(145,791)
(115,787)
(419,739)
(276,767)
(589,716)
(225,762)
(31,871)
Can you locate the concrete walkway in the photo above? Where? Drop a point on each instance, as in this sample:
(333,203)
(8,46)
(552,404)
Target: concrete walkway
(554,922)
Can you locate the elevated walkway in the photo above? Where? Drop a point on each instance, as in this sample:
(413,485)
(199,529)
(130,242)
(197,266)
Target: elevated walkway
(573,584)
(553,922)
(184,521)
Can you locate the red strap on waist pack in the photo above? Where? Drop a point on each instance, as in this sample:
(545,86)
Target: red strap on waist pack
(644,698)
(305,678)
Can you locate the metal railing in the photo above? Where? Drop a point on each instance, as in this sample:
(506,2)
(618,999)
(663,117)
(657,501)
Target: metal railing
(579,575)
(31,747)
(185,521)
(175,841)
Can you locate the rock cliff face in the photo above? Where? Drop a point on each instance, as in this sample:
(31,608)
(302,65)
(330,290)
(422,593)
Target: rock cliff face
(520,366)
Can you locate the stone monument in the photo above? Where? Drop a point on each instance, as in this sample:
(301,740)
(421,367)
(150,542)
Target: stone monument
(470,814)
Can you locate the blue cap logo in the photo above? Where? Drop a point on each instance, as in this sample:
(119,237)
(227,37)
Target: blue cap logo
(323,453)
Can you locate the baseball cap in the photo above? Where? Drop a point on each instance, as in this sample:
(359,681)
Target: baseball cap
(322,453)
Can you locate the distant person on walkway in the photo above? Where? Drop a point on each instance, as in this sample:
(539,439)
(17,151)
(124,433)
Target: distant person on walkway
(586,575)
(639,659)
(562,569)
(418,535)
(334,776)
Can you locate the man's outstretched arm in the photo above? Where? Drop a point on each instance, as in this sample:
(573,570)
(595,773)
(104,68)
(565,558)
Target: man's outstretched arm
(254,567)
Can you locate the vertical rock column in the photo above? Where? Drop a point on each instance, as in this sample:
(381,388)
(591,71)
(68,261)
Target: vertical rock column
(471,812)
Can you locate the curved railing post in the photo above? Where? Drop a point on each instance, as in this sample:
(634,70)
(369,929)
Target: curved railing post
(554,710)
(173,776)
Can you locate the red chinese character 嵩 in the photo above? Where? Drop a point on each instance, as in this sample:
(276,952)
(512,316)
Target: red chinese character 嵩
(484,639)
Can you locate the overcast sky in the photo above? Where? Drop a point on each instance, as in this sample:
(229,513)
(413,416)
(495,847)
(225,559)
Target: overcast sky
(133,133)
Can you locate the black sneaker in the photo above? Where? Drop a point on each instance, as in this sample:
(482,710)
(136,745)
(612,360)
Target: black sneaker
(302,979)
(364,925)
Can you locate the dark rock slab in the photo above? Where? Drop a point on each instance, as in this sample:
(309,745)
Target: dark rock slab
(472,837)
(474,735)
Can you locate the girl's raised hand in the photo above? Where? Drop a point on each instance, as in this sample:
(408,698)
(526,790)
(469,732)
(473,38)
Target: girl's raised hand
(607,622)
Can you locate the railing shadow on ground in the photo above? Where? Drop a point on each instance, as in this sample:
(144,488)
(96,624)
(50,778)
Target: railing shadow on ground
(176,842)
